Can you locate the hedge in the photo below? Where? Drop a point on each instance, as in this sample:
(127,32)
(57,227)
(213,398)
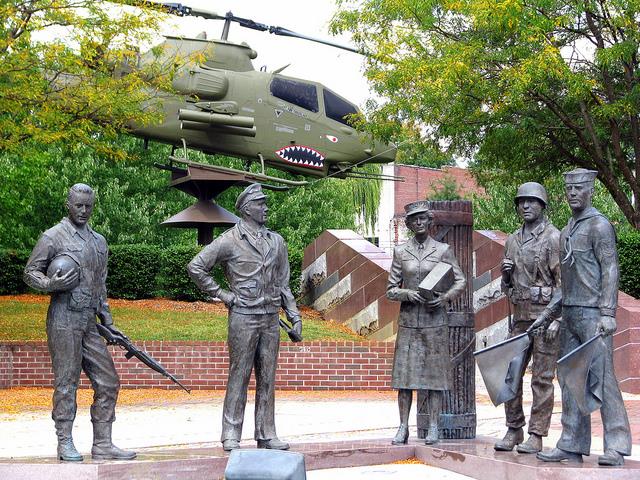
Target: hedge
(629,255)
(135,272)
(12,264)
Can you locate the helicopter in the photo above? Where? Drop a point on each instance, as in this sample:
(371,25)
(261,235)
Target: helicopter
(221,104)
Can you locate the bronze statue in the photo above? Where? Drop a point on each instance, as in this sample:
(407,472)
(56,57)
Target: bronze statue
(70,262)
(530,274)
(588,299)
(421,360)
(256,266)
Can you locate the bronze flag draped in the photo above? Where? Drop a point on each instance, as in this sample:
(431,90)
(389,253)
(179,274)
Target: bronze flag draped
(502,365)
(582,372)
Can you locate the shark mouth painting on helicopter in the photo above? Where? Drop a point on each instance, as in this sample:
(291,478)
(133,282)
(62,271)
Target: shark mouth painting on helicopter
(301,156)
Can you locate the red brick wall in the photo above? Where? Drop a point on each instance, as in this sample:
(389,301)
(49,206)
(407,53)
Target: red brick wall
(203,365)
(419,181)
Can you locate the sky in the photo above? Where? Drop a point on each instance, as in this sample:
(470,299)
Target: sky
(339,70)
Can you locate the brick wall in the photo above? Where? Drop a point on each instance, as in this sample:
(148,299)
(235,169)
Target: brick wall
(419,182)
(203,365)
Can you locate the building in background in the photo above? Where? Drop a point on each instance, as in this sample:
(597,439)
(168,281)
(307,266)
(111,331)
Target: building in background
(420,183)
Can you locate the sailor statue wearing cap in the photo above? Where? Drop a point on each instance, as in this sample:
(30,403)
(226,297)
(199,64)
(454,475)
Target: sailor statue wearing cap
(256,266)
(588,300)
(421,359)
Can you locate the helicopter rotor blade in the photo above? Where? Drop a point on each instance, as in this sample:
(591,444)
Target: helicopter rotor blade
(285,32)
(184,11)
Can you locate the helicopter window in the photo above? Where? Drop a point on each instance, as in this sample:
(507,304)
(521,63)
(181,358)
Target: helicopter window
(336,108)
(302,94)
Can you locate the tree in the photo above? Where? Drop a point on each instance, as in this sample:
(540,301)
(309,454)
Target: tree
(64,73)
(526,87)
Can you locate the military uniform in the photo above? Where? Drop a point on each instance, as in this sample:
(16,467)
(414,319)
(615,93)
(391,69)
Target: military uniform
(256,266)
(535,276)
(421,359)
(73,340)
(590,290)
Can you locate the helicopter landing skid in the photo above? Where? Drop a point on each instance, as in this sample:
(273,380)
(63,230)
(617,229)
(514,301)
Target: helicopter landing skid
(267,181)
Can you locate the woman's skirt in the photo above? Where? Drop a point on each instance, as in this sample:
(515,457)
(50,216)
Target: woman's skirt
(421,360)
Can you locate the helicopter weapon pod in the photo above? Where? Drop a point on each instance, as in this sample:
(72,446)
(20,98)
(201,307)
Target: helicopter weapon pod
(216,119)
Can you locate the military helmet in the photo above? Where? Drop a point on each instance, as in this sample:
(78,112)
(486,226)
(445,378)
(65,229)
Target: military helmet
(63,263)
(531,190)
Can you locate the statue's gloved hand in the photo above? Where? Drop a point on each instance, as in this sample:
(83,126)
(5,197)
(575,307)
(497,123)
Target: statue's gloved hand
(537,327)
(506,267)
(439,300)
(228,298)
(414,296)
(552,331)
(62,283)
(607,325)
(115,332)
(296,325)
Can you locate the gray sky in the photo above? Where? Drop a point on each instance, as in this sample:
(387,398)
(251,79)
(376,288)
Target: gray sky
(337,69)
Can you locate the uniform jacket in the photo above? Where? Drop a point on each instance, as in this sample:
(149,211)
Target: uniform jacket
(536,272)
(89,249)
(256,268)
(411,264)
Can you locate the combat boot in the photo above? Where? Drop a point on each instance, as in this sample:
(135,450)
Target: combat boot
(103,448)
(513,437)
(532,445)
(66,449)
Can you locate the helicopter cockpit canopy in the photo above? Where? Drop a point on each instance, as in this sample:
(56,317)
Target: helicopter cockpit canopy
(305,95)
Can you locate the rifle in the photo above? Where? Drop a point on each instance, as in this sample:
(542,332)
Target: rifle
(122,341)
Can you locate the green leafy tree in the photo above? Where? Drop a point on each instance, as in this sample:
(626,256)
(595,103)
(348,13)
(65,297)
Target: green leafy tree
(65,71)
(526,88)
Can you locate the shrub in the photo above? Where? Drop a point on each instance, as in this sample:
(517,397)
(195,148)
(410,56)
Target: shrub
(629,255)
(133,270)
(173,280)
(12,263)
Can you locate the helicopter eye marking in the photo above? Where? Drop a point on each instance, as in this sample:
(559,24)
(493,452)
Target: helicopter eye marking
(302,156)
(331,138)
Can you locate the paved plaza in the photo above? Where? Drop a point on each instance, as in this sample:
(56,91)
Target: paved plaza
(301,417)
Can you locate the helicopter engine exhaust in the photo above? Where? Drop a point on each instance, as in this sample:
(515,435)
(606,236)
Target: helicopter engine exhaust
(215,119)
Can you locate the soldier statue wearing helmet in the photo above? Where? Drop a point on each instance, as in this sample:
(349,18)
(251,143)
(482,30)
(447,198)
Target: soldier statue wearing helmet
(70,262)
(530,274)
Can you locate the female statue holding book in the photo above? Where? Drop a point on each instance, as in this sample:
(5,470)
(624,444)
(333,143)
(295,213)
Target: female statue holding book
(421,359)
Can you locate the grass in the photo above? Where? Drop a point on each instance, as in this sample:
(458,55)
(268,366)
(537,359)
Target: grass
(22,318)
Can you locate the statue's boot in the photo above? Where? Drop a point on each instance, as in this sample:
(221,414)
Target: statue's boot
(230,444)
(103,448)
(611,458)
(402,436)
(532,445)
(435,407)
(558,455)
(273,444)
(513,437)
(66,449)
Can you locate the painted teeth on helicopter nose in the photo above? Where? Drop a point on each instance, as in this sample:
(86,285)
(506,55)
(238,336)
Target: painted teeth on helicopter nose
(301,155)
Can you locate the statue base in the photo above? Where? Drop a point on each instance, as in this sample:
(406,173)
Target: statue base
(474,458)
